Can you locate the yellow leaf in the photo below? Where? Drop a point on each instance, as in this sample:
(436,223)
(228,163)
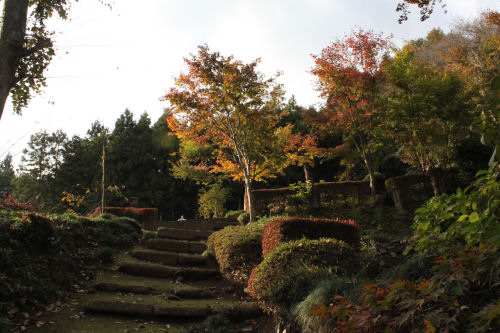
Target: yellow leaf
(429,328)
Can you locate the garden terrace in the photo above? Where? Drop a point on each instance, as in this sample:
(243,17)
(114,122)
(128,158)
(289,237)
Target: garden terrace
(331,193)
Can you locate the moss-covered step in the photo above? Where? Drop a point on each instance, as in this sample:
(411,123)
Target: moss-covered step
(176,245)
(163,271)
(199,224)
(173,258)
(74,320)
(180,310)
(184,234)
(113,281)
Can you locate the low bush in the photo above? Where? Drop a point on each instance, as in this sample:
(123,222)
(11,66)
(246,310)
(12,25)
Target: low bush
(467,218)
(237,250)
(282,230)
(461,295)
(121,232)
(288,273)
(417,266)
(147,217)
(54,251)
(33,232)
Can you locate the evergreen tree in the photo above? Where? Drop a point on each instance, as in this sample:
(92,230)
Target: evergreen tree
(7,174)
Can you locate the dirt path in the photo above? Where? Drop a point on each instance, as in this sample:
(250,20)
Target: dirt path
(164,286)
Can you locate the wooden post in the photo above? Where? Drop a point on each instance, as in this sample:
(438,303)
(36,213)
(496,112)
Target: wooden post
(102,178)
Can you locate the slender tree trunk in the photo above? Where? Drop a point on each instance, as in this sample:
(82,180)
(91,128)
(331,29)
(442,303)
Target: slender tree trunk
(308,172)
(434,182)
(314,201)
(12,35)
(371,173)
(249,196)
(102,178)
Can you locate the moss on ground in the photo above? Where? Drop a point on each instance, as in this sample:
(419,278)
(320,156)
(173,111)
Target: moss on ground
(122,279)
(154,300)
(73,320)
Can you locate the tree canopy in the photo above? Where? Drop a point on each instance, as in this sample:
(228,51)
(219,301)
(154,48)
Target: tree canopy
(228,105)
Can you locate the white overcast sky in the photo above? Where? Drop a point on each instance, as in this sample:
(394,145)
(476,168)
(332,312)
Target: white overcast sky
(127,57)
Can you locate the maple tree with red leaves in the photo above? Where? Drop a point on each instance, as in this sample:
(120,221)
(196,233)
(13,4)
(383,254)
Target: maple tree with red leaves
(229,106)
(349,73)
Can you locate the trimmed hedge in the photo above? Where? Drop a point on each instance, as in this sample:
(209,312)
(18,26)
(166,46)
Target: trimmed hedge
(283,230)
(147,216)
(237,250)
(287,273)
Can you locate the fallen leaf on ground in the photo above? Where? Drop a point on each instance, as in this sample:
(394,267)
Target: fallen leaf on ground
(12,311)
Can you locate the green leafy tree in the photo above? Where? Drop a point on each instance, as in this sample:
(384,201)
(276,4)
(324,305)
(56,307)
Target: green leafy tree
(7,174)
(474,53)
(44,154)
(80,172)
(40,162)
(428,112)
(211,201)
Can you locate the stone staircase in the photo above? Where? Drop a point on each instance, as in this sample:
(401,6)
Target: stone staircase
(168,279)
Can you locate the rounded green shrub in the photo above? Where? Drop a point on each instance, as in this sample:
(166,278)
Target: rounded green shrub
(288,272)
(237,250)
(33,231)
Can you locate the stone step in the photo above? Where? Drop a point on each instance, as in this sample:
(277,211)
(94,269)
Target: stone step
(183,234)
(240,310)
(175,245)
(212,225)
(162,271)
(143,290)
(174,258)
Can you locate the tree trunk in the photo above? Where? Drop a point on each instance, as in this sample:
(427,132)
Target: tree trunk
(308,172)
(314,201)
(371,174)
(249,195)
(434,182)
(12,35)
